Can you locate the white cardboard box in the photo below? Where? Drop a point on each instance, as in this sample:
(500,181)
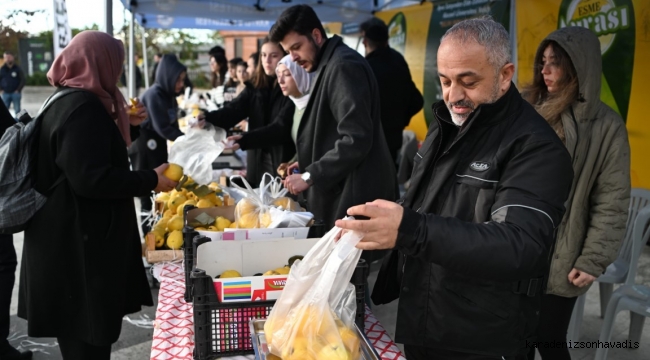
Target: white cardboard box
(257,234)
(249,257)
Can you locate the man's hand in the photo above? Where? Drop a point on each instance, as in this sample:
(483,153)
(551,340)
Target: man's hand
(137,113)
(231,142)
(164,183)
(292,166)
(579,278)
(381,229)
(295,184)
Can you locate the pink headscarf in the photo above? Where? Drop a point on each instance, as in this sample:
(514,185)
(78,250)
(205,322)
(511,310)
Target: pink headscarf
(93,61)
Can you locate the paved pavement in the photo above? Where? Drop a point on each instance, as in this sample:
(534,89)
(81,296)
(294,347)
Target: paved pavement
(135,341)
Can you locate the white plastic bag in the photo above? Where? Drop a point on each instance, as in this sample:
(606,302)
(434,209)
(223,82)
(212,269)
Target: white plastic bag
(252,211)
(314,316)
(196,151)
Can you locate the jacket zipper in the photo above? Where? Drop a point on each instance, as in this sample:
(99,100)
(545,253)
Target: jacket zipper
(461,135)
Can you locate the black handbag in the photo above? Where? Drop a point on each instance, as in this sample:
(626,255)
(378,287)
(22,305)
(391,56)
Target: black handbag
(389,279)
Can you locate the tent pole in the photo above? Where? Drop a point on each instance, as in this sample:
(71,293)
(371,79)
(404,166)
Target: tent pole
(144,58)
(131,61)
(108,17)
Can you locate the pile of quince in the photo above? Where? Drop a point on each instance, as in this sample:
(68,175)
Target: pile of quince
(314,335)
(284,270)
(249,214)
(168,229)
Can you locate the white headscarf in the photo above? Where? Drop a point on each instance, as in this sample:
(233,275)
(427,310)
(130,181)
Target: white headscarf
(302,79)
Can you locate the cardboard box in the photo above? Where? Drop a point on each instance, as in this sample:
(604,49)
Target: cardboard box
(249,257)
(241,234)
(155,256)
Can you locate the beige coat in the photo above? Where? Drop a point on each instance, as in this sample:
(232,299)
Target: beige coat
(593,226)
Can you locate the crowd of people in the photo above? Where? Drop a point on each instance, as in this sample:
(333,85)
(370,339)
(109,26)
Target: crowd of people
(518,201)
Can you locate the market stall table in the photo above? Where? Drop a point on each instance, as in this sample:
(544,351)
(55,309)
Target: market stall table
(173,336)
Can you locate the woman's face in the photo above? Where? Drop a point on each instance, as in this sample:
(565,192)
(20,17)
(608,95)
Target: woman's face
(233,71)
(214,66)
(287,84)
(270,56)
(551,70)
(251,67)
(242,74)
(180,82)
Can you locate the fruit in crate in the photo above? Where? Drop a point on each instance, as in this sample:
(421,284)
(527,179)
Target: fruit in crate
(204,203)
(221,223)
(214,187)
(174,172)
(229,274)
(175,240)
(162,197)
(175,223)
(175,201)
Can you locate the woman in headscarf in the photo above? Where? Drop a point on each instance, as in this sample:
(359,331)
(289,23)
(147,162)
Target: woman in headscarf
(295,83)
(82,265)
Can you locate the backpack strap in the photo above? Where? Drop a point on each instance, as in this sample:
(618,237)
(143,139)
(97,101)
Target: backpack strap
(46,105)
(56,96)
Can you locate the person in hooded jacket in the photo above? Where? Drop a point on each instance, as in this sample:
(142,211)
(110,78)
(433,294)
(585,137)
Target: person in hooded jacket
(262,104)
(150,149)
(81,269)
(566,92)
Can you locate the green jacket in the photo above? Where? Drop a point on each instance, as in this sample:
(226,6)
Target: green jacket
(593,227)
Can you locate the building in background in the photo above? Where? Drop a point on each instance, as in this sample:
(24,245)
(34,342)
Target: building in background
(242,44)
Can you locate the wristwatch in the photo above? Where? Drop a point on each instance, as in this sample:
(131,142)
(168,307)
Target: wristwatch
(306,177)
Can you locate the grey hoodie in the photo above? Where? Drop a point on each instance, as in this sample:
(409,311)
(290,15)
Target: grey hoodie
(593,226)
(160,99)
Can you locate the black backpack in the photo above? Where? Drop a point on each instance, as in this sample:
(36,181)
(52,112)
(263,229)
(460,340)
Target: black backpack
(19,201)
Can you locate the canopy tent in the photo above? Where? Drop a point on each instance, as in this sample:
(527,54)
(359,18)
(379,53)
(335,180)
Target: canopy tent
(252,15)
(247,14)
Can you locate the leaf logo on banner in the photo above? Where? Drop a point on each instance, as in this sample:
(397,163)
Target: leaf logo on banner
(397,32)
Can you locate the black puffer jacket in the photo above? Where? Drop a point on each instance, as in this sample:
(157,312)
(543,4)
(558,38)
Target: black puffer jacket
(488,198)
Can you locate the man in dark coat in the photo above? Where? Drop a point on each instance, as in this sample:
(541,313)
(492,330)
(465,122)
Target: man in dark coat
(476,227)
(8,263)
(341,148)
(12,81)
(399,98)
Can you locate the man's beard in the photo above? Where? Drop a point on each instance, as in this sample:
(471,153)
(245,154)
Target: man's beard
(459,119)
(315,49)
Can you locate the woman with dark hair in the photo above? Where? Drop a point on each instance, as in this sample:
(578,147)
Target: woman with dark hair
(218,69)
(566,92)
(261,103)
(252,62)
(230,86)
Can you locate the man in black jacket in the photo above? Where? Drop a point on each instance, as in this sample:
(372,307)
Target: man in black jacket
(8,263)
(399,98)
(476,228)
(341,148)
(12,81)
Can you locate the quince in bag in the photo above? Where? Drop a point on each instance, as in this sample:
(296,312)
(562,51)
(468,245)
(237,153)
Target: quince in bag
(314,317)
